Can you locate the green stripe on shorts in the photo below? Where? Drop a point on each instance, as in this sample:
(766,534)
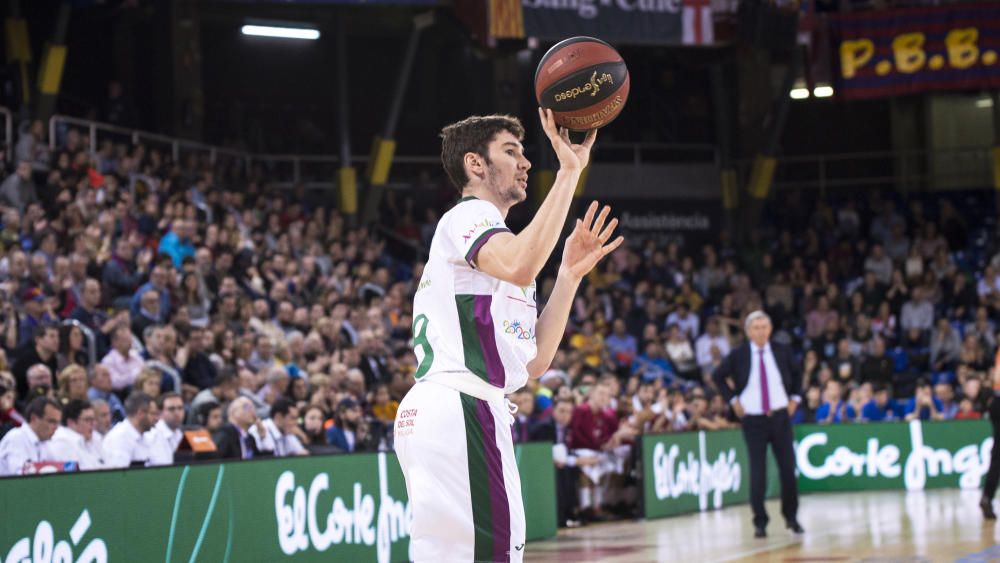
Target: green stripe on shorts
(479,481)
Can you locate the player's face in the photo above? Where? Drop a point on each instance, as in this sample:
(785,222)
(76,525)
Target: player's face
(507,171)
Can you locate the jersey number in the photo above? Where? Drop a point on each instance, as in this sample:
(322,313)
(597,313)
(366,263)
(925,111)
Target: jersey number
(421,343)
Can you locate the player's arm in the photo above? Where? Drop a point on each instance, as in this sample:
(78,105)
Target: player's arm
(518,259)
(583,250)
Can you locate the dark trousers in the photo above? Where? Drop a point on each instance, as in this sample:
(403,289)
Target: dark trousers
(993,475)
(566,493)
(759,431)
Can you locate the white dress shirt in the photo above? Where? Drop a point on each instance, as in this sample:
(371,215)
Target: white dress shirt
(751,397)
(162,443)
(703,348)
(123,369)
(282,444)
(20,446)
(70,445)
(124,445)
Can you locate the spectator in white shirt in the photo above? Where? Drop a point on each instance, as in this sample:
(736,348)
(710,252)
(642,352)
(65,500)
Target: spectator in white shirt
(711,339)
(685,320)
(77,441)
(164,437)
(282,426)
(29,442)
(122,361)
(125,443)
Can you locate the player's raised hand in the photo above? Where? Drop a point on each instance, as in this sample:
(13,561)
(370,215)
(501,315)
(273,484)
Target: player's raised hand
(588,242)
(571,156)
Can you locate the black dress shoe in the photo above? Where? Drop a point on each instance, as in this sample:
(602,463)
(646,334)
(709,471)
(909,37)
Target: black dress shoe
(796,527)
(987,507)
(759,532)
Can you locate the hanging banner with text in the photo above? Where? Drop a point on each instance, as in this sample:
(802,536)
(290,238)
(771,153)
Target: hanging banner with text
(615,21)
(893,52)
(323,508)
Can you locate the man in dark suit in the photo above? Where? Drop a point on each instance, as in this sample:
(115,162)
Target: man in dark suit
(763,383)
(233,439)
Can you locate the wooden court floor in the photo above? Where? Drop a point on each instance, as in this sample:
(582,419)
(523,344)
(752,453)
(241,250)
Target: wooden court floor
(939,525)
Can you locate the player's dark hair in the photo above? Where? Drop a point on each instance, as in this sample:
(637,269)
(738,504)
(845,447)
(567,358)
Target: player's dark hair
(473,134)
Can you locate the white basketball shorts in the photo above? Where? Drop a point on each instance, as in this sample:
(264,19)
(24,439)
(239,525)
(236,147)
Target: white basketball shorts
(457,456)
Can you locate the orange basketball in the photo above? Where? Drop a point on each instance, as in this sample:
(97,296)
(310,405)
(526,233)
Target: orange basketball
(584,82)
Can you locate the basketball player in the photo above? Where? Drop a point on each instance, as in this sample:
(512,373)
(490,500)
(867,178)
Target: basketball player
(476,336)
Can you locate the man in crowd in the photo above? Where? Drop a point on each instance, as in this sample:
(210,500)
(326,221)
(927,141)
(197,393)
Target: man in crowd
(123,363)
(234,441)
(46,345)
(282,426)
(164,437)
(77,440)
(125,444)
(29,443)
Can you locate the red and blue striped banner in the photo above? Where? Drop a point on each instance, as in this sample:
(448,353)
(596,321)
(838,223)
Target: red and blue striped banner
(889,53)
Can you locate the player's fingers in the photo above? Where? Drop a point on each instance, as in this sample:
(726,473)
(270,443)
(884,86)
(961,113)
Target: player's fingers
(599,223)
(609,248)
(548,126)
(588,217)
(608,230)
(564,134)
(589,140)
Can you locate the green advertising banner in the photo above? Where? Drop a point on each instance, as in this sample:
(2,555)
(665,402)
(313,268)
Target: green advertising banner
(324,508)
(693,471)
(893,455)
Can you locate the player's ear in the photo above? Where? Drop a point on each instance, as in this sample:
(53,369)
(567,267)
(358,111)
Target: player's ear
(475,167)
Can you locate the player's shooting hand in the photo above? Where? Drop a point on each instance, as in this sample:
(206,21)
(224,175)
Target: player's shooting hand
(571,156)
(588,242)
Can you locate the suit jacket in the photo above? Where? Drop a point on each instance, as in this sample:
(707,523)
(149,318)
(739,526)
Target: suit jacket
(377,374)
(227,442)
(544,431)
(736,368)
(336,437)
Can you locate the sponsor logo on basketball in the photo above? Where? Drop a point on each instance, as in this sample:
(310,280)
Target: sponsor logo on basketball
(310,518)
(970,462)
(675,475)
(592,87)
(43,546)
(597,117)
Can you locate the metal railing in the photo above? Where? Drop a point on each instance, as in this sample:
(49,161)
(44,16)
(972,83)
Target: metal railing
(89,336)
(900,169)
(167,370)
(904,170)
(94,128)
(8,132)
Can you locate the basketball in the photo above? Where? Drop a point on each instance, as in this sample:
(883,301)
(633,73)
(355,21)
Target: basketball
(584,82)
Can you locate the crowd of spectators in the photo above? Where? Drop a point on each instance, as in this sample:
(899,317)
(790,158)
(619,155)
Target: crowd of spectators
(142,297)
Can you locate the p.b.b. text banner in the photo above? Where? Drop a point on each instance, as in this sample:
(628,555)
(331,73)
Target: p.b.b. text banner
(894,52)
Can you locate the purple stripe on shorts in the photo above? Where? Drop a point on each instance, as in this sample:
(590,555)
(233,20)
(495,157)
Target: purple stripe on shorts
(488,343)
(499,506)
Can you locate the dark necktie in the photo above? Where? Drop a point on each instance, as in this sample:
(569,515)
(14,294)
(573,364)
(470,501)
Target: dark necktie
(248,441)
(765,401)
